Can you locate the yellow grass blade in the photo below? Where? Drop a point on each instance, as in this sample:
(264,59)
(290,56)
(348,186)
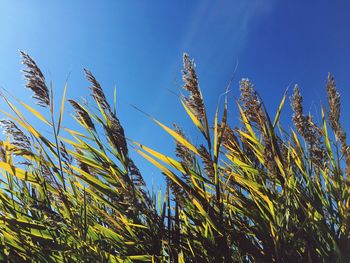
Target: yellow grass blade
(62,108)
(279,109)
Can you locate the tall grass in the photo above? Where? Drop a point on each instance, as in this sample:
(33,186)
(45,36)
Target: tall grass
(254,193)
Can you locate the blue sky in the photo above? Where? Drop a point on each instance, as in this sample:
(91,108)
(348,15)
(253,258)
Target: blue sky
(138,46)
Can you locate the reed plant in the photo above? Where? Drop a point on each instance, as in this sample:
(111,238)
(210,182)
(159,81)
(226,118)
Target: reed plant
(254,193)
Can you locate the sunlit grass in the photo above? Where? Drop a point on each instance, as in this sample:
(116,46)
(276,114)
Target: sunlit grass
(254,193)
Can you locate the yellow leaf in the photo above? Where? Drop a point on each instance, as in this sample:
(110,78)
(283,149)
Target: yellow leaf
(62,108)
(19,173)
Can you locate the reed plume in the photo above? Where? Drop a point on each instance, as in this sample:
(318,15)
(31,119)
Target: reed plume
(207,161)
(97,91)
(334,112)
(35,80)
(115,133)
(82,114)
(66,157)
(308,129)
(251,102)
(183,153)
(81,164)
(195,99)
(257,193)
(19,138)
(135,174)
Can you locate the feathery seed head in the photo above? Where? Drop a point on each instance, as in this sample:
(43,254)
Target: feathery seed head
(35,80)
(334,102)
(97,92)
(2,154)
(178,192)
(308,129)
(135,174)
(195,99)
(66,157)
(181,151)
(82,115)
(334,113)
(299,120)
(251,103)
(19,138)
(207,161)
(115,134)
(83,166)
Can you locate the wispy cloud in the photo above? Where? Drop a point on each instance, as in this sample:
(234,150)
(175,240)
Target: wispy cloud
(223,24)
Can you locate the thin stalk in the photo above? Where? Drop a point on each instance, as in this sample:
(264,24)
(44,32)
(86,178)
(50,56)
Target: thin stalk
(56,136)
(58,151)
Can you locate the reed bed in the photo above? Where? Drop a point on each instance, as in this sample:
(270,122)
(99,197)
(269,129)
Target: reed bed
(254,193)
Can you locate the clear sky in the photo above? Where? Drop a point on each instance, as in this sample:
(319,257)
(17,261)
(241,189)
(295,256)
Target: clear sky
(138,46)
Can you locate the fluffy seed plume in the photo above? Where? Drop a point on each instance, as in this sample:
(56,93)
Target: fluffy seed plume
(195,99)
(19,138)
(66,157)
(299,119)
(229,139)
(308,129)
(334,112)
(179,194)
(269,159)
(83,166)
(115,134)
(207,161)
(251,103)
(135,174)
(97,92)
(185,155)
(82,115)
(35,80)
(2,154)
(334,102)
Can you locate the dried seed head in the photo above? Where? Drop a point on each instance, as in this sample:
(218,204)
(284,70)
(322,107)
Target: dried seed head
(182,152)
(35,80)
(318,153)
(45,170)
(135,174)
(269,158)
(19,138)
(179,194)
(300,121)
(2,154)
(347,171)
(308,129)
(115,134)
(207,161)
(229,139)
(97,92)
(82,115)
(195,99)
(67,158)
(334,102)
(334,112)
(46,173)
(251,103)
(285,152)
(83,166)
